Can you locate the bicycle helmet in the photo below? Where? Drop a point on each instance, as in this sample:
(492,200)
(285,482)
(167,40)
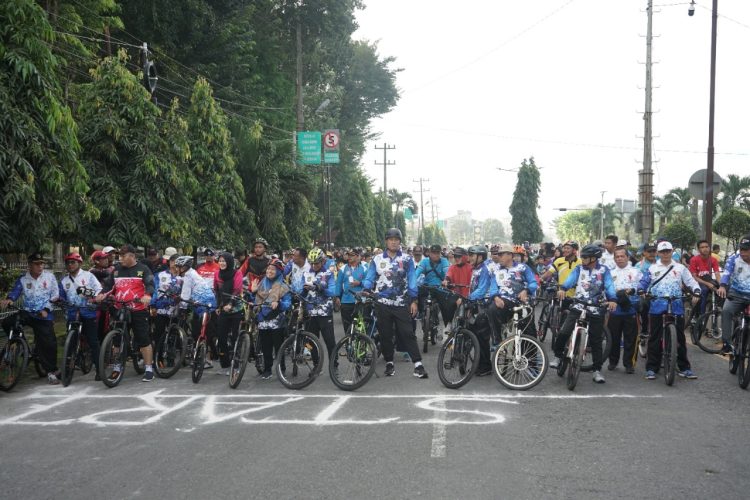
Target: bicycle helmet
(260,240)
(571,243)
(478,250)
(73,256)
(393,232)
(277,264)
(519,250)
(591,251)
(184,261)
(315,255)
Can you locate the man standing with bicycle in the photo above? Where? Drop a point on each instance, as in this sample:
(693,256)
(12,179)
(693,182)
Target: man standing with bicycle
(39,290)
(593,283)
(701,267)
(393,276)
(432,272)
(622,324)
(515,284)
(665,278)
(735,287)
(349,282)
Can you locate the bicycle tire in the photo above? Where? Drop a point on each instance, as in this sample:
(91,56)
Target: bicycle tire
(169,352)
(744,365)
(462,351)
(709,338)
(14,358)
(297,354)
(199,360)
(574,366)
(359,350)
(112,355)
(139,365)
(260,362)
(734,360)
(425,330)
(38,368)
(85,357)
(669,354)
(70,355)
(531,367)
(588,359)
(238,364)
(542,330)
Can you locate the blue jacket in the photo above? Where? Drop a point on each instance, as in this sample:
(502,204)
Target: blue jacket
(591,285)
(482,285)
(511,281)
(394,279)
(433,274)
(319,299)
(343,288)
(268,318)
(38,293)
(736,276)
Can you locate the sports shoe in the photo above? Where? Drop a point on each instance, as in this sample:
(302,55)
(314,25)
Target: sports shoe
(266,375)
(52,379)
(419,372)
(687,374)
(222,371)
(97,378)
(650,375)
(390,370)
(554,362)
(148,376)
(483,372)
(727,349)
(598,378)
(207,365)
(611,366)
(629,370)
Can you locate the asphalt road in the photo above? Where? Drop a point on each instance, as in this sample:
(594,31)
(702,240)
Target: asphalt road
(398,437)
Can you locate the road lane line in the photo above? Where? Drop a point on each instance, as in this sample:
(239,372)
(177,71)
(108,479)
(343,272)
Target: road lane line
(438,430)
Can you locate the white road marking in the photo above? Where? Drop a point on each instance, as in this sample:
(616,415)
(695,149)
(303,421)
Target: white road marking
(438,431)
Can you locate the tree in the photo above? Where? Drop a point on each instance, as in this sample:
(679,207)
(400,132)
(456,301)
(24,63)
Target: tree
(359,224)
(461,231)
(664,207)
(382,215)
(400,222)
(680,233)
(574,225)
(493,231)
(610,216)
(685,205)
(733,224)
(525,224)
(43,185)
(401,199)
(735,191)
(432,235)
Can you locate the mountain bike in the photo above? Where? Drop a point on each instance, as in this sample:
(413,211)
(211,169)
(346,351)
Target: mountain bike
(244,343)
(458,357)
(118,346)
(77,352)
(550,311)
(520,361)
(588,360)
(668,339)
(352,362)
(739,363)
(430,320)
(571,362)
(198,354)
(171,347)
(707,334)
(301,356)
(17,352)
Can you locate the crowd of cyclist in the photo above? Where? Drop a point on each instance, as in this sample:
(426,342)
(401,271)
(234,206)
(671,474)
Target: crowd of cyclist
(603,276)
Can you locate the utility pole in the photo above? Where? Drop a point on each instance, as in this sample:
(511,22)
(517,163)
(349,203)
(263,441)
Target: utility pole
(432,207)
(646,175)
(298,82)
(601,221)
(708,202)
(385,164)
(422,190)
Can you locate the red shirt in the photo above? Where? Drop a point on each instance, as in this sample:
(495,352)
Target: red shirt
(207,271)
(702,267)
(460,275)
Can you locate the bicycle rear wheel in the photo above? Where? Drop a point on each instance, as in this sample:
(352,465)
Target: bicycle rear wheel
(70,354)
(574,366)
(669,354)
(112,357)
(352,362)
(137,359)
(14,358)
(520,367)
(588,360)
(709,338)
(744,356)
(541,333)
(458,359)
(169,351)
(199,360)
(299,360)
(239,359)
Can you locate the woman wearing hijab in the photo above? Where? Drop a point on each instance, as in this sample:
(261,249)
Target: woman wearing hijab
(227,282)
(273,297)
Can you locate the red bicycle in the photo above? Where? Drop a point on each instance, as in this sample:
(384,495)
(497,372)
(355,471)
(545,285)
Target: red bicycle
(200,348)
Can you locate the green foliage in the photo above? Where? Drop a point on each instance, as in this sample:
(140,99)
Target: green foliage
(382,215)
(680,233)
(432,235)
(525,224)
(610,217)
(574,225)
(494,231)
(733,224)
(358,216)
(400,222)
(461,232)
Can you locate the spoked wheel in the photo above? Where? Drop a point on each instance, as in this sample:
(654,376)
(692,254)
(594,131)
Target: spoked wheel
(112,358)
(709,327)
(458,359)
(642,345)
(70,355)
(300,360)
(588,360)
(669,354)
(744,363)
(574,367)
(435,325)
(734,360)
(199,360)
(520,362)
(554,323)
(14,358)
(168,352)
(352,362)
(257,349)
(239,359)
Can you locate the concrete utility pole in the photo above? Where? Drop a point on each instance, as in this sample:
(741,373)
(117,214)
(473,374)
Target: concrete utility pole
(601,222)
(300,97)
(646,175)
(422,190)
(432,207)
(708,202)
(385,164)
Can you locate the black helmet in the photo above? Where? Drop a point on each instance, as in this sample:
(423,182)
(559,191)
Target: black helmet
(571,243)
(393,232)
(260,240)
(478,250)
(458,251)
(591,251)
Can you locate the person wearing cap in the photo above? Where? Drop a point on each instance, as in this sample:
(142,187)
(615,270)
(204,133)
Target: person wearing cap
(735,287)
(393,277)
(240,256)
(101,268)
(622,322)
(196,288)
(169,252)
(349,282)
(295,270)
(318,291)
(666,278)
(207,271)
(417,253)
(648,258)
(39,290)
(155,262)
(459,275)
(77,286)
(111,255)
(165,301)
(431,272)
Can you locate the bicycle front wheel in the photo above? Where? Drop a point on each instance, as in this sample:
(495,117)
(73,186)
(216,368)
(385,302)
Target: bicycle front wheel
(458,359)
(70,354)
(199,360)
(169,351)
(239,360)
(744,358)
(352,362)
(299,360)
(112,358)
(669,354)
(260,362)
(520,364)
(14,358)
(709,337)
(574,366)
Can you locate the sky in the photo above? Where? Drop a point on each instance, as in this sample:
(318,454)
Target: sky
(486,84)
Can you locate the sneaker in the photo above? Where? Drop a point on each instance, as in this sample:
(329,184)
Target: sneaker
(266,375)
(554,362)
(222,371)
(650,375)
(598,377)
(629,370)
(207,365)
(419,372)
(687,374)
(483,372)
(611,366)
(390,370)
(52,379)
(727,349)
(148,376)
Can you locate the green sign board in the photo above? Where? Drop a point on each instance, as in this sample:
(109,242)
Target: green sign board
(408,215)
(309,145)
(441,224)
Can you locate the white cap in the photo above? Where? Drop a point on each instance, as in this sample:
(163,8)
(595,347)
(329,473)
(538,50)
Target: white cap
(621,243)
(663,245)
(170,251)
(108,249)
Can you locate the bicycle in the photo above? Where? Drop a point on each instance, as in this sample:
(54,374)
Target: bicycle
(430,321)
(16,353)
(352,362)
(740,360)
(549,311)
(200,348)
(707,333)
(77,352)
(171,346)
(117,346)
(520,361)
(669,338)
(301,356)
(460,351)
(243,344)
(572,360)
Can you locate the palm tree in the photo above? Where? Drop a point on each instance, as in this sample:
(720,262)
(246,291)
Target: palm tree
(400,199)
(685,204)
(610,216)
(735,191)
(664,207)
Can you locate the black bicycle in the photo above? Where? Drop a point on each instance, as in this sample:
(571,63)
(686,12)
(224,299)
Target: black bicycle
(244,346)
(171,347)
(301,356)
(669,337)
(16,353)
(353,360)
(430,319)
(77,352)
(118,346)
(739,363)
(458,357)
(575,351)
(706,332)
(549,317)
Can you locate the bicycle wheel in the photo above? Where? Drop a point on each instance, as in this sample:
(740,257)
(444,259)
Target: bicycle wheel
(458,359)
(541,333)
(352,362)
(425,330)
(588,360)
(137,359)
(14,358)
(574,365)
(38,368)
(709,338)
(669,354)
(554,323)
(85,357)
(299,360)
(112,358)
(70,355)
(199,360)
(168,352)
(260,363)
(744,355)
(239,359)
(520,362)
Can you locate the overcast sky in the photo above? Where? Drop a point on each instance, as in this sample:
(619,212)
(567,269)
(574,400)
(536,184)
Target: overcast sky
(488,83)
